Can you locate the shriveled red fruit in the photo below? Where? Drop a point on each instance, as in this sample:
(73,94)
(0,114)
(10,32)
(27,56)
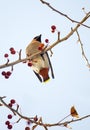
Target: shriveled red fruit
(11,49)
(12,101)
(3,73)
(9,116)
(41,46)
(27,128)
(9,126)
(53,31)
(46,40)
(53,27)
(6,55)
(6,76)
(29,64)
(10,104)
(8,73)
(35,118)
(7,122)
(13,52)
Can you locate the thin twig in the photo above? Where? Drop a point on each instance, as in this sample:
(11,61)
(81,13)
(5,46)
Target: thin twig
(64,118)
(18,120)
(58,35)
(83,53)
(7,62)
(75,120)
(20,54)
(51,7)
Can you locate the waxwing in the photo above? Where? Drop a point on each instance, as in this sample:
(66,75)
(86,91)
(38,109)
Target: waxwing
(41,63)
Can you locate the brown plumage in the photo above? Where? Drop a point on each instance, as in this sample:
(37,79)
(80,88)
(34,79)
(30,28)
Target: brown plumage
(40,63)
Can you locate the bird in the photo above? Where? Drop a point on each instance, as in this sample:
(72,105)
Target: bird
(40,64)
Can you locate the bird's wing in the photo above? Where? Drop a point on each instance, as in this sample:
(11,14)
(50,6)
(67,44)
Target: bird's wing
(40,79)
(52,73)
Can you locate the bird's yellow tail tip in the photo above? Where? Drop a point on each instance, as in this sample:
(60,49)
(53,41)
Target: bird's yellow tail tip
(46,80)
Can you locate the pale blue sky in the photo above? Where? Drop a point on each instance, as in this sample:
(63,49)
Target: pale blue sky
(20,21)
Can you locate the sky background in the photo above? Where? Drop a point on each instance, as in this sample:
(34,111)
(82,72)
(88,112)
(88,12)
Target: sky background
(20,21)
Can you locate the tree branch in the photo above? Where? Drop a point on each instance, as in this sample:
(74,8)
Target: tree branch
(66,16)
(50,47)
(39,122)
(83,53)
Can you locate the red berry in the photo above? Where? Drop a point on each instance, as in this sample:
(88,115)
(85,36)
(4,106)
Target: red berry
(46,40)
(53,31)
(53,27)
(11,49)
(3,73)
(13,52)
(27,128)
(35,118)
(12,101)
(10,104)
(40,48)
(6,76)
(8,73)
(9,116)
(6,55)
(29,64)
(9,126)
(7,122)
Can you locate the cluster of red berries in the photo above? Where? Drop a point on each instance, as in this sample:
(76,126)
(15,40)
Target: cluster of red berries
(6,55)
(10,124)
(9,116)
(53,28)
(11,103)
(6,74)
(12,51)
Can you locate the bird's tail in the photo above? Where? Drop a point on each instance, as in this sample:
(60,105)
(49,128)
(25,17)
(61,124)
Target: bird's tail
(44,73)
(46,79)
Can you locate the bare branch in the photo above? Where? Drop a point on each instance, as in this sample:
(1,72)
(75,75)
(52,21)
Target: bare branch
(50,47)
(15,112)
(75,120)
(70,33)
(39,122)
(6,105)
(73,21)
(83,53)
